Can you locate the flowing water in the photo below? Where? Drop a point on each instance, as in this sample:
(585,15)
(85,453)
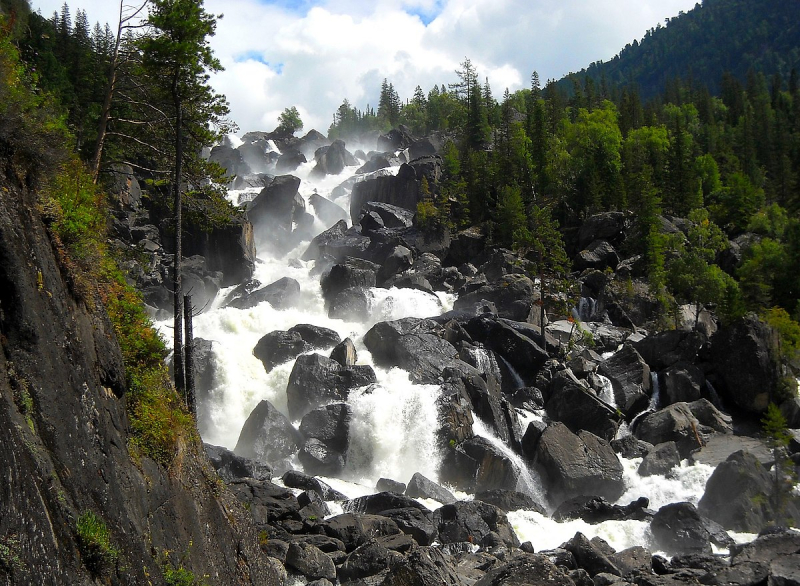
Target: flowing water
(393,422)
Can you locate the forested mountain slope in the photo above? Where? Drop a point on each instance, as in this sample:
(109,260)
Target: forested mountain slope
(716,36)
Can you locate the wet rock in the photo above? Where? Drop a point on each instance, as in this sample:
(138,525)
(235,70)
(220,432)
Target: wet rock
(267,435)
(231,467)
(295,479)
(414,345)
(663,349)
(633,561)
(421,487)
(316,380)
(319,458)
(289,161)
(329,424)
(389,485)
(345,353)
(686,424)
(474,522)
(678,528)
(398,260)
(739,495)
(352,304)
(594,510)
(495,470)
(278,347)
(579,408)
(521,352)
(630,378)
(331,160)
(509,500)
(660,460)
(375,504)
(326,210)
(316,336)
(281,294)
(631,447)
(310,561)
(346,275)
(578,464)
(609,226)
(392,216)
(275,208)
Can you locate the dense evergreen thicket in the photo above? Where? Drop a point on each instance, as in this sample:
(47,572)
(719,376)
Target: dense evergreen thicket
(542,158)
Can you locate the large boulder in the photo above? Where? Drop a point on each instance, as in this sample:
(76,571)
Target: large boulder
(595,509)
(678,528)
(331,160)
(663,349)
(316,380)
(401,190)
(579,408)
(392,216)
(295,479)
(310,561)
(686,424)
(599,255)
(630,379)
(424,566)
(289,161)
(610,226)
(278,347)
(519,351)
(526,569)
(494,470)
(591,555)
(744,357)
(274,210)
(741,495)
(231,467)
(510,500)
(414,345)
(267,435)
(421,487)
(318,457)
(681,382)
(326,210)
(355,529)
(229,248)
(473,521)
(329,424)
(337,243)
(352,273)
(229,159)
(513,294)
(576,464)
(281,294)
(660,460)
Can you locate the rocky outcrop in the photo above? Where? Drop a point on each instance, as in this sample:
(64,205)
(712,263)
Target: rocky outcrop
(742,495)
(630,379)
(267,436)
(743,355)
(686,424)
(401,190)
(578,464)
(67,452)
(316,380)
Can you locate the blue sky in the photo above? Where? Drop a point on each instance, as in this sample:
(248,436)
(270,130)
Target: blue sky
(313,54)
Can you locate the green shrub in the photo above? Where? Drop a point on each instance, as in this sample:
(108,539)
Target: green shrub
(94,540)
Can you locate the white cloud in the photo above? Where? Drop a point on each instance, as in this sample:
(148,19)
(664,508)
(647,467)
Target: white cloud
(338,49)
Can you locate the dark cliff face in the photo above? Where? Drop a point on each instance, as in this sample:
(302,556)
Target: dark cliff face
(64,445)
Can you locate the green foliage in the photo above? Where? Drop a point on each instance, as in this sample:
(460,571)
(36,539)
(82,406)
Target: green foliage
(10,560)
(94,540)
(778,437)
(180,577)
(289,121)
(788,330)
(512,229)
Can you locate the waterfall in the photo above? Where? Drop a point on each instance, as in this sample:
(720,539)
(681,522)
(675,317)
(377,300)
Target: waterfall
(515,377)
(528,481)
(713,395)
(606,392)
(585,309)
(655,396)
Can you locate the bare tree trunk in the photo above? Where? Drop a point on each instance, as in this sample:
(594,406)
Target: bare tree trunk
(191,403)
(180,376)
(111,88)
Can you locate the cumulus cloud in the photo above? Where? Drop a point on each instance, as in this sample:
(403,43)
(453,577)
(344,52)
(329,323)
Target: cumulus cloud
(312,55)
